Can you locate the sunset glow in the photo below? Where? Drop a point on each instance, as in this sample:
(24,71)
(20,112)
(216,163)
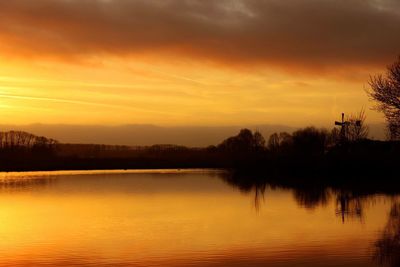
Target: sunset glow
(199,63)
(200,133)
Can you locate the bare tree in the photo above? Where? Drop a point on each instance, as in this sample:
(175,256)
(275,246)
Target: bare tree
(22,139)
(356,128)
(259,141)
(385,89)
(333,138)
(278,142)
(273,142)
(245,141)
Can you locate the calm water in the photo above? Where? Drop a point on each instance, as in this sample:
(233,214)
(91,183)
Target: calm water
(185,218)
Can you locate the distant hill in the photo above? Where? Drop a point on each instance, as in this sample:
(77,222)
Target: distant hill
(142,135)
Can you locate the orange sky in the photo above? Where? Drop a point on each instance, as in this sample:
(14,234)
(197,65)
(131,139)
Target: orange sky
(192,62)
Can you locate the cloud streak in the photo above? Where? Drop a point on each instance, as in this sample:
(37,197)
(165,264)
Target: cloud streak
(76,102)
(309,34)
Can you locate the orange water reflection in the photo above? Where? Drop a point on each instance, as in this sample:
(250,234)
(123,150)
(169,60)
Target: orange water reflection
(173,218)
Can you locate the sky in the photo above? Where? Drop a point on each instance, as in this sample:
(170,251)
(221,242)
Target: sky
(192,62)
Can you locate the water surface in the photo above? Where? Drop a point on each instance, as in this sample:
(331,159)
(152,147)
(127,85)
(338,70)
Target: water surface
(186,218)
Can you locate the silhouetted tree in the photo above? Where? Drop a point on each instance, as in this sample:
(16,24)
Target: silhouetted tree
(333,138)
(281,142)
(386,91)
(245,141)
(356,129)
(18,139)
(259,141)
(273,142)
(310,141)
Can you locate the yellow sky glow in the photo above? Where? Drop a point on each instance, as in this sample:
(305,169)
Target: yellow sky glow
(192,62)
(113,90)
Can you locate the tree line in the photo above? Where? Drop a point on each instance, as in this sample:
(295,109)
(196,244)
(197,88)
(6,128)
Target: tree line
(309,140)
(339,148)
(20,139)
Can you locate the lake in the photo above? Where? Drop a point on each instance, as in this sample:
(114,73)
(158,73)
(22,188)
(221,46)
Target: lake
(188,218)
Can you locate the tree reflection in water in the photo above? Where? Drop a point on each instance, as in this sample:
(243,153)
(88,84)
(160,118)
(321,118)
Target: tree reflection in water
(349,206)
(22,183)
(313,192)
(312,196)
(248,184)
(387,248)
(350,202)
(307,195)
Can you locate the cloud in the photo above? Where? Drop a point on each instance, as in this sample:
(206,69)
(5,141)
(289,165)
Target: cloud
(308,34)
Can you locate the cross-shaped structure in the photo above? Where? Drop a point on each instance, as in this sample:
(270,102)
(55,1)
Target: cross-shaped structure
(343,124)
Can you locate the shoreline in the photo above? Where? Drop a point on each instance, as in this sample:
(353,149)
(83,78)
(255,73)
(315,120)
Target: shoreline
(108,171)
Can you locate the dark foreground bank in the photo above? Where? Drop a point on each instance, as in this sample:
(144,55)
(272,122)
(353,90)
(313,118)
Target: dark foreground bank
(363,158)
(309,155)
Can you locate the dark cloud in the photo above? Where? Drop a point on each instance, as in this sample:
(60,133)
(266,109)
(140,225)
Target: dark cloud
(301,33)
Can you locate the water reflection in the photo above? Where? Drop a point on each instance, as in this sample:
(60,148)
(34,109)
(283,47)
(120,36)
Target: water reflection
(310,194)
(388,245)
(311,197)
(179,218)
(349,206)
(12,183)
